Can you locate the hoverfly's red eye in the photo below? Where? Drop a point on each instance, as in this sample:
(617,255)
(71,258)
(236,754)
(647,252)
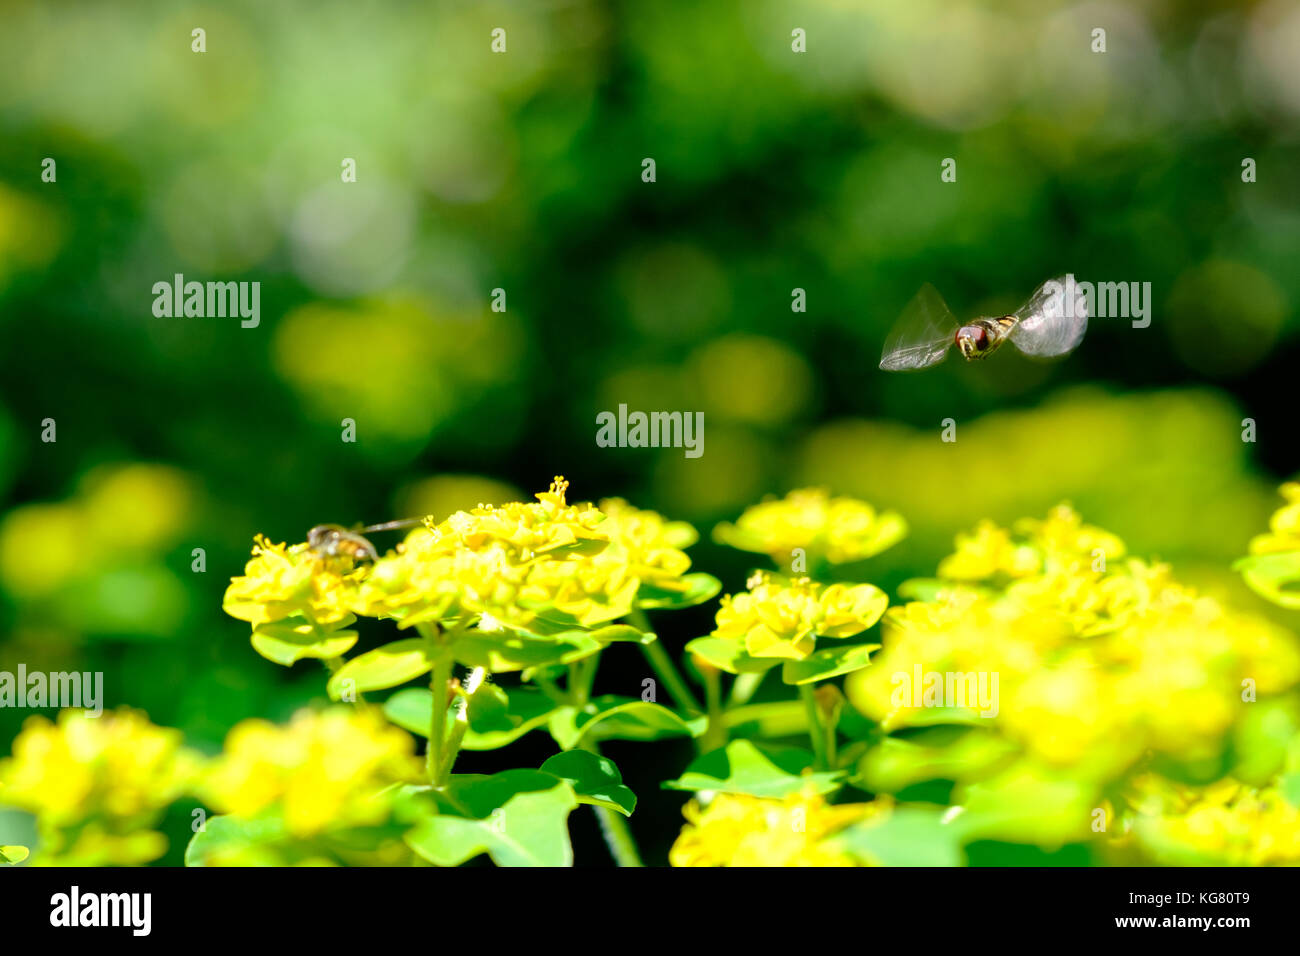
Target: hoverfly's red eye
(981,338)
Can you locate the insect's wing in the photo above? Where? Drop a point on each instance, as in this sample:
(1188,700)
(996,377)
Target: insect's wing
(922,334)
(1054,319)
(392,525)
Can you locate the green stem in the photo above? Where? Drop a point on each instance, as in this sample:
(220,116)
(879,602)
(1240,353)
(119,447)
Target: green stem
(816,733)
(582,675)
(460,723)
(663,665)
(743,687)
(715,735)
(438,725)
(550,689)
(618,837)
(617,834)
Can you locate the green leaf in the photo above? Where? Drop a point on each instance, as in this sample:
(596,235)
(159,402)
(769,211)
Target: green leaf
(495,717)
(519,818)
(828,663)
(932,589)
(778,718)
(730,656)
(950,753)
(907,836)
(594,779)
(231,841)
(1264,736)
(505,651)
(1025,804)
(13,854)
(287,642)
(1289,785)
(411,709)
(543,630)
(621,632)
(742,767)
(620,718)
(699,587)
(1274,577)
(384,667)
(922,589)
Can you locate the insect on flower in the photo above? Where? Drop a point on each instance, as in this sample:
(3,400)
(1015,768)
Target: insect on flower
(1052,322)
(334,540)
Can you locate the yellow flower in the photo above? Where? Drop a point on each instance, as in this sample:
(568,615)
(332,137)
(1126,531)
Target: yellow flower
(837,529)
(325,770)
(782,618)
(116,772)
(117,765)
(518,562)
(1060,543)
(740,830)
(649,545)
(1096,602)
(1284,527)
(531,529)
(1098,661)
(588,590)
(1225,824)
(418,582)
(1063,536)
(987,552)
(281,581)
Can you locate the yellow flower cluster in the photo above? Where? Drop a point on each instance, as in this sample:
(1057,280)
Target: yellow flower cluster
(568,565)
(1224,824)
(1094,661)
(512,563)
(838,530)
(1272,570)
(779,617)
(97,784)
(651,547)
(281,582)
(740,830)
(324,770)
(1284,527)
(1061,542)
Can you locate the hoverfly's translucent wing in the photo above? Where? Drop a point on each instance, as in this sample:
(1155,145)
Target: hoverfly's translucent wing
(392,525)
(922,334)
(1054,319)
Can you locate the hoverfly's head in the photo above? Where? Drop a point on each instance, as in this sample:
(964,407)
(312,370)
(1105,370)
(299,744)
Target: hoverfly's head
(322,535)
(973,341)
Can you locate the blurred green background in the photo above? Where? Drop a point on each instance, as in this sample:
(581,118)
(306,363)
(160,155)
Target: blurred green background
(522,171)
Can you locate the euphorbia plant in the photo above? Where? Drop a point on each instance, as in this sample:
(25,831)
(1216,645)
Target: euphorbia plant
(535,589)
(1133,719)
(540,590)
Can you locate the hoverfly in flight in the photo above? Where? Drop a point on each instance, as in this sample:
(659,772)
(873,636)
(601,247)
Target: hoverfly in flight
(334,540)
(1052,322)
